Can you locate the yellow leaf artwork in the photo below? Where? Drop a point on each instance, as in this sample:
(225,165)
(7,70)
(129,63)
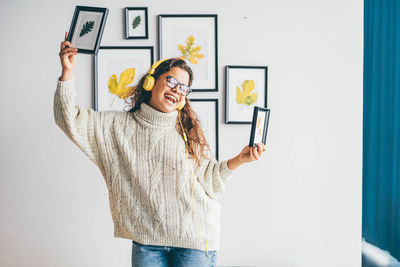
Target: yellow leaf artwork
(244,97)
(190,52)
(258,126)
(120,88)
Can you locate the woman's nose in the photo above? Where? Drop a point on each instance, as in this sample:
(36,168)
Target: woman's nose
(175,89)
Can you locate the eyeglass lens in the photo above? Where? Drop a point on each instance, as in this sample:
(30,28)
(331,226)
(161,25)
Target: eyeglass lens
(172,83)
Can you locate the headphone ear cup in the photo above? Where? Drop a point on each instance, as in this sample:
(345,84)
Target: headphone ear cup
(182,105)
(148,83)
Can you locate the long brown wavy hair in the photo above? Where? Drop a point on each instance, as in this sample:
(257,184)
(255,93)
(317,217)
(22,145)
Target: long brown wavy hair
(196,142)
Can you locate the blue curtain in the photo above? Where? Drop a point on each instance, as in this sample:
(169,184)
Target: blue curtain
(381,141)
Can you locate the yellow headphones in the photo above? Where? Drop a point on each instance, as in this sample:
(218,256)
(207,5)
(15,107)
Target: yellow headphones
(149,81)
(182,105)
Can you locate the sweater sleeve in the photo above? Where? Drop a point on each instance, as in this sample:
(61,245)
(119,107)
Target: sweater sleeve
(213,176)
(77,123)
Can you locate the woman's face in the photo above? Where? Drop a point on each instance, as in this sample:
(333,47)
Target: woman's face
(165,99)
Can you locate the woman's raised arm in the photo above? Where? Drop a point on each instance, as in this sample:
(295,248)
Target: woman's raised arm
(77,123)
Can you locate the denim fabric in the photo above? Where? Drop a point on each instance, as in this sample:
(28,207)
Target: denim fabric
(162,256)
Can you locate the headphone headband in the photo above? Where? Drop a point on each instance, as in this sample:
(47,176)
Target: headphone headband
(155,65)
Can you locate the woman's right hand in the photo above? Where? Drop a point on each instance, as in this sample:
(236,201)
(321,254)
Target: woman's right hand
(67,57)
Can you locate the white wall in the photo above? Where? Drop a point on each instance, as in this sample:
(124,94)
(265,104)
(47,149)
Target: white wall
(299,205)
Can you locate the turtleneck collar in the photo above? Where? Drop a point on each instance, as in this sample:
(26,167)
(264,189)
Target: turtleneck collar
(154,117)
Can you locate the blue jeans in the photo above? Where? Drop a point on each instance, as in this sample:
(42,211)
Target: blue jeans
(161,256)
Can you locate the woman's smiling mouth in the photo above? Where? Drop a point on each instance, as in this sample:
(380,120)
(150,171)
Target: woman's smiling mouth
(171,98)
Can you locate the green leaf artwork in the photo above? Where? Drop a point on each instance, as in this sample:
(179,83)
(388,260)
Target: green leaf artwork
(87,27)
(136,22)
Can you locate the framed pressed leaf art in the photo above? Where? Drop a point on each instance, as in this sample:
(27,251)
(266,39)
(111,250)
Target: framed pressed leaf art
(245,87)
(194,39)
(136,23)
(87,28)
(117,70)
(259,126)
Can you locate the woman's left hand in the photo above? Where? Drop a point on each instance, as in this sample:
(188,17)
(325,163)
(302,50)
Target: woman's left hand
(246,155)
(249,154)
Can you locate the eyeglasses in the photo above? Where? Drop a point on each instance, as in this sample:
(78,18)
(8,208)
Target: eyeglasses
(183,88)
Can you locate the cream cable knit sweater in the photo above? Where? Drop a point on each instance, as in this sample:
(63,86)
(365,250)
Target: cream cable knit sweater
(142,159)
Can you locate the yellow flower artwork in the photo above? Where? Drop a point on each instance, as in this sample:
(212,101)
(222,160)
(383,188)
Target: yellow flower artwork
(190,52)
(244,96)
(120,88)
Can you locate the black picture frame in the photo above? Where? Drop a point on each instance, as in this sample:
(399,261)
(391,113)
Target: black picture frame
(140,50)
(209,69)
(258,73)
(254,136)
(90,43)
(129,35)
(215,101)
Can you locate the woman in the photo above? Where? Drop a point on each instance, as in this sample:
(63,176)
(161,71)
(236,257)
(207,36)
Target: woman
(162,180)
